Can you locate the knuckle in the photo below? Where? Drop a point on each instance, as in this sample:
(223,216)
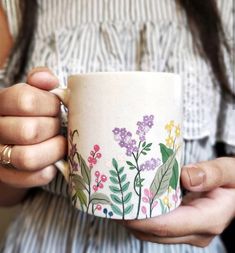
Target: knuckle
(28,132)
(27,160)
(26,100)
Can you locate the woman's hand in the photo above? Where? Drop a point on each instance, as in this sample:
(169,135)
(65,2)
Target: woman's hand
(205,212)
(29,121)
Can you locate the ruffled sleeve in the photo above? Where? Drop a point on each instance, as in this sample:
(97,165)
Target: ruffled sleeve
(226,118)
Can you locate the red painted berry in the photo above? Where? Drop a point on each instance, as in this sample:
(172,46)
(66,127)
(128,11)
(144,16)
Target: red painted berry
(101,185)
(94,161)
(95,188)
(103,178)
(98,207)
(97,173)
(96,148)
(98,155)
(90,159)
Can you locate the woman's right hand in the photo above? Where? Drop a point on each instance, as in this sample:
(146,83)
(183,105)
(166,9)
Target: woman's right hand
(29,120)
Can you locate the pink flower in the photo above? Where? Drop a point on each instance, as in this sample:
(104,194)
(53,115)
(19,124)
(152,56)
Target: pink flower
(154,204)
(145,199)
(175,197)
(144,209)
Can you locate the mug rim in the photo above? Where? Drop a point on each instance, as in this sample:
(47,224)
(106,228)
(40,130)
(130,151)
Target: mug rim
(119,73)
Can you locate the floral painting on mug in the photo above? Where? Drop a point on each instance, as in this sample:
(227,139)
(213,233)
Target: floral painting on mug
(128,196)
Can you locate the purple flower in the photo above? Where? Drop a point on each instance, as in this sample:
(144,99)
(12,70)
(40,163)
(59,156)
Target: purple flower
(124,139)
(144,126)
(74,165)
(150,164)
(73,150)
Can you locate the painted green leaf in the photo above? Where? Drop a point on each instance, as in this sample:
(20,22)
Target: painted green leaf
(175,176)
(114,180)
(99,198)
(127,197)
(78,182)
(114,189)
(162,177)
(86,173)
(125,186)
(143,144)
(82,197)
(149,145)
(116,199)
(144,153)
(113,173)
(130,163)
(147,149)
(115,164)
(132,168)
(166,152)
(123,178)
(121,170)
(116,209)
(128,209)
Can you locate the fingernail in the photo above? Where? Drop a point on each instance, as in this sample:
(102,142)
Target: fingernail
(196,175)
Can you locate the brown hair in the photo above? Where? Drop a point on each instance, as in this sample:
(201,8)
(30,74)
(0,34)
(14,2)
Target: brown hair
(203,18)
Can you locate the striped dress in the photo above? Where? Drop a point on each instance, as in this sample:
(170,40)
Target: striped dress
(78,36)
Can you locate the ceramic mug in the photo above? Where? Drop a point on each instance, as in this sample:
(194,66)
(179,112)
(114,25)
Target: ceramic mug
(125,143)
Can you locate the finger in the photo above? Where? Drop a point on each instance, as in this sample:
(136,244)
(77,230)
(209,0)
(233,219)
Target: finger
(173,224)
(42,78)
(38,156)
(27,179)
(27,130)
(25,100)
(194,240)
(206,176)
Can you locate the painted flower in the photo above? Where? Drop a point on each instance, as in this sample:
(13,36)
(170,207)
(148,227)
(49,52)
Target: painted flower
(177,131)
(166,200)
(124,139)
(169,141)
(144,126)
(150,164)
(144,210)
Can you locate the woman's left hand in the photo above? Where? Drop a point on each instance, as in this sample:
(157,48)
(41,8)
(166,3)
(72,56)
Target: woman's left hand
(205,212)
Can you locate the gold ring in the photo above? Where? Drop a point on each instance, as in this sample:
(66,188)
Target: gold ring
(5,155)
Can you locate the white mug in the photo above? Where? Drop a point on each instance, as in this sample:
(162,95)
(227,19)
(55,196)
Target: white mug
(125,143)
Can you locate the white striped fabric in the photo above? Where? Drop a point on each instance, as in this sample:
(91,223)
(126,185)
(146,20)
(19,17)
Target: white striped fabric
(77,36)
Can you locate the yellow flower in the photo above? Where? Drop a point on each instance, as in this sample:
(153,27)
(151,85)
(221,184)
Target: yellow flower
(170,189)
(177,131)
(166,200)
(168,127)
(169,141)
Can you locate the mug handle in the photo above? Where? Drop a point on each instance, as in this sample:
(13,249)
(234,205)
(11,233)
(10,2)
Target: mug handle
(62,165)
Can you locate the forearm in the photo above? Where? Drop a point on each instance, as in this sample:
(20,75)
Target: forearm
(10,196)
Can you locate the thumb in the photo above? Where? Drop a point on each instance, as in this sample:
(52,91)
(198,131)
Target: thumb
(206,176)
(42,78)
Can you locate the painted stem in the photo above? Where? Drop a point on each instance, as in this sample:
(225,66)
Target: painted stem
(120,184)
